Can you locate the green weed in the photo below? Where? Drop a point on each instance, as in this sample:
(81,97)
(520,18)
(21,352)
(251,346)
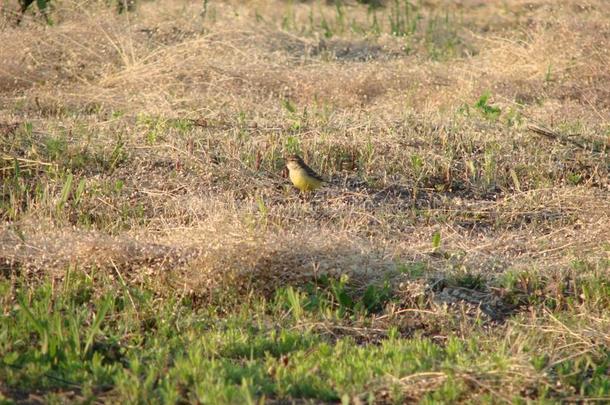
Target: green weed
(488,111)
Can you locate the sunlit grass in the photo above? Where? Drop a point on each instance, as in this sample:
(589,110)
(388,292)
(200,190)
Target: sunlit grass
(153,250)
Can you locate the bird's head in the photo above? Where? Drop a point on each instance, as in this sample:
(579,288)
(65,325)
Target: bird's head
(293,162)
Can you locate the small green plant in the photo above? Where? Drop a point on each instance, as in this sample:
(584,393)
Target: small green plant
(341,295)
(488,111)
(182,125)
(43,8)
(340,17)
(441,38)
(489,167)
(417,165)
(467,279)
(413,270)
(375,27)
(514,117)
(289,18)
(65,192)
(296,118)
(154,127)
(55,148)
(118,186)
(289,106)
(374,298)
(403,18)
(295,300)
(326,28)
(548,77)
(436,241)
(263,210)
(292,145)
(28,128)
(574,178)
(117,156)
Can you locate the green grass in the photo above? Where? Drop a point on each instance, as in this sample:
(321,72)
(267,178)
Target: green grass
(104,340)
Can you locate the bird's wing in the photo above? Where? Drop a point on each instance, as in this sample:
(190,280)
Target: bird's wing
(313,174)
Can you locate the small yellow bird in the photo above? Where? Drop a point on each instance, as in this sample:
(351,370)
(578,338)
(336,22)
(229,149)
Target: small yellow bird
(301,175)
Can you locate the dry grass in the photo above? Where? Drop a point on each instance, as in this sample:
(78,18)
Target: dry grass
(98,79)
(173,127)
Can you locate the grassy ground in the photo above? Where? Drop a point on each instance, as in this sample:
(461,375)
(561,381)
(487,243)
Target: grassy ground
(153,250)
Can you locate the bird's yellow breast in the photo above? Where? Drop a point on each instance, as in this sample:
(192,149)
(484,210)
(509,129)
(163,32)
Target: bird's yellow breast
(303,181)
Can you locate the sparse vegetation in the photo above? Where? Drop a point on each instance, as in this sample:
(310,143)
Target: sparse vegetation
(152,249)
